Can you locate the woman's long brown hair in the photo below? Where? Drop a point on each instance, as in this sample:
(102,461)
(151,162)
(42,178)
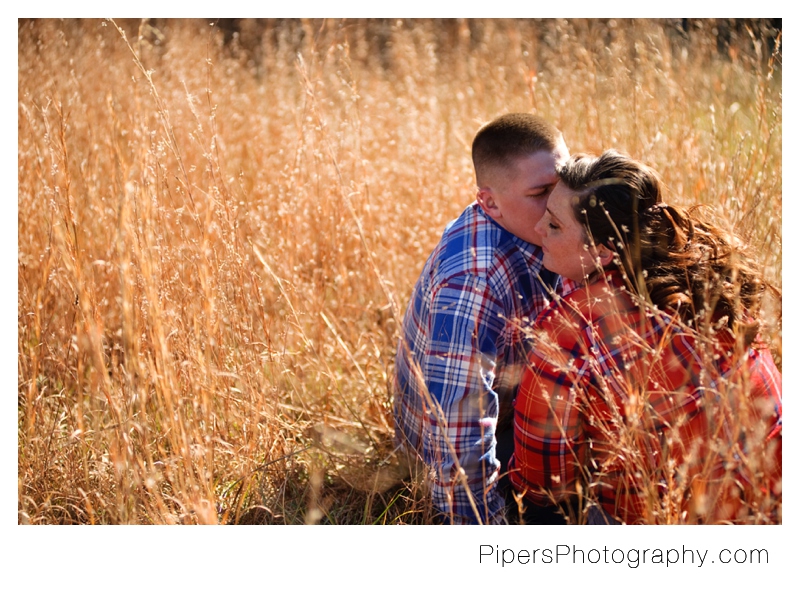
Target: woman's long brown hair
(674,258)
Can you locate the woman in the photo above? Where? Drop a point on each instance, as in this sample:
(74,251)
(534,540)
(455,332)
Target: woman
(649,397)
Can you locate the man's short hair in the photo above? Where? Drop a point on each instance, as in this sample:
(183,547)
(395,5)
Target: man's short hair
(509,137)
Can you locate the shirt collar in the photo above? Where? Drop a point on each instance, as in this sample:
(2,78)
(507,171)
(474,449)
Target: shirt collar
(533,254)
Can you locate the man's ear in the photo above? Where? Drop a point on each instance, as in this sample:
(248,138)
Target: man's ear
(486,199)
(605,255)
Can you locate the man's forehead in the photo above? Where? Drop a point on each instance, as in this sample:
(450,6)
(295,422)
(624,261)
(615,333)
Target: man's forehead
(561,151)
(538,168)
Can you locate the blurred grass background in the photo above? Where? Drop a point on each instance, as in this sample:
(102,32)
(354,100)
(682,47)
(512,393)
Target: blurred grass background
(220,223)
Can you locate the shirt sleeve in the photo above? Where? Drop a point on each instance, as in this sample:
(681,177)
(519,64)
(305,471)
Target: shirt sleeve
(466,326)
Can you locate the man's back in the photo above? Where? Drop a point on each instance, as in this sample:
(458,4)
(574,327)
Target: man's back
(460,356)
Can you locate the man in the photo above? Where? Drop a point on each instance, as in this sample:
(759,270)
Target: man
(460,355)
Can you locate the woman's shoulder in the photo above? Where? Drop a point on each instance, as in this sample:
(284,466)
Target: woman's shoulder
(569,320)
(587,303)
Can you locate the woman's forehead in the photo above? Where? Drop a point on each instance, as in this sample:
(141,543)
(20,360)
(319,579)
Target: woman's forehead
(562,200)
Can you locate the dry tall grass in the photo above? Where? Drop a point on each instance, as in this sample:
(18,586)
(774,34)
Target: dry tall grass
(218,233)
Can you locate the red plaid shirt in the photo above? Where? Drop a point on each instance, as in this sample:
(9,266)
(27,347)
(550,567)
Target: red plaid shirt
(633,406)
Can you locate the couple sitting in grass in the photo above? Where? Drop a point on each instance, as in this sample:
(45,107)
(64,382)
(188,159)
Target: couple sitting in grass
(576,348)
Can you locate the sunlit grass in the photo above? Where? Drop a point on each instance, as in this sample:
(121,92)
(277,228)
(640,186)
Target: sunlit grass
(217,240)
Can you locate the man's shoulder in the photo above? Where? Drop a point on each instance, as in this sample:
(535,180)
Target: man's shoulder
(475,245)
(473,225)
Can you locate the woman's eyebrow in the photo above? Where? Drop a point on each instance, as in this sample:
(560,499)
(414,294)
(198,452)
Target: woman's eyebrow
(552,214)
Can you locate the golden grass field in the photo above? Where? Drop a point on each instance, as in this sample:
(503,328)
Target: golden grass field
(218,233)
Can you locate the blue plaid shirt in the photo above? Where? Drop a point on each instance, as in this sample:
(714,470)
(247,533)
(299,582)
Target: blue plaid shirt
(460,358)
